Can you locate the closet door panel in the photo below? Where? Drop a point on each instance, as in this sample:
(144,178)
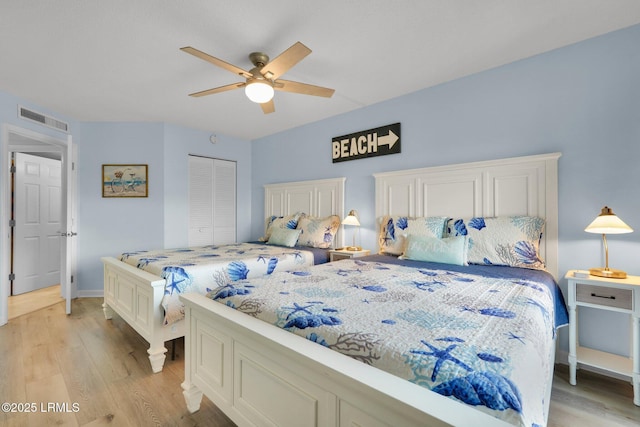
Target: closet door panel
(212,201)
(200,201)
(224,206)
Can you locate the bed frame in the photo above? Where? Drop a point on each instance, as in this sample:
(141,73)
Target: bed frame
(258,374)
(136,295)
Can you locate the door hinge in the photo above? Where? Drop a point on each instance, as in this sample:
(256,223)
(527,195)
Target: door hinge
(12,169)
(12,223)
(71,279)
(12,276)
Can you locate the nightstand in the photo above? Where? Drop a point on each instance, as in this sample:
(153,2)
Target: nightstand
(620,295)
(338,254)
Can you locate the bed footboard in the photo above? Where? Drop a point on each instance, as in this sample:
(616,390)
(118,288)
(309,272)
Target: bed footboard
(258,374)
(136,296)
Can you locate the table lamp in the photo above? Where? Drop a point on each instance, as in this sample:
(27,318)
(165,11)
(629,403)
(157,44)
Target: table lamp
(607,223)
(352,219)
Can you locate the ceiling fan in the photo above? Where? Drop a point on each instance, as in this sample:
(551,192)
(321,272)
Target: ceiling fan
(263,79)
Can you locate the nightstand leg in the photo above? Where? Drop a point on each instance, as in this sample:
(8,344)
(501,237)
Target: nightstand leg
(636,359)
(573,336)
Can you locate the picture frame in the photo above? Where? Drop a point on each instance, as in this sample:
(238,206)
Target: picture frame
(125,180)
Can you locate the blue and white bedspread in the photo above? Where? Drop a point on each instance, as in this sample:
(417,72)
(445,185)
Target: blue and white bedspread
(204,268)
(484,341)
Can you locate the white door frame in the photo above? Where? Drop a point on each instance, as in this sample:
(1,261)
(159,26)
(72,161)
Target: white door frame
(44,143)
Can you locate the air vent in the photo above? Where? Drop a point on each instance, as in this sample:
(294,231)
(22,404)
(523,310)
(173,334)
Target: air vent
(43,119)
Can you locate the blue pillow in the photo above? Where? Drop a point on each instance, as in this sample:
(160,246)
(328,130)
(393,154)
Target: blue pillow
(449,250)
(284,237)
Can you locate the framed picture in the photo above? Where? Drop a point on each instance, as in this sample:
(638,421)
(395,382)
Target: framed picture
(125,181)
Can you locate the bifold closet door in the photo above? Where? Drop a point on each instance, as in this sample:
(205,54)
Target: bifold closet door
(212,201)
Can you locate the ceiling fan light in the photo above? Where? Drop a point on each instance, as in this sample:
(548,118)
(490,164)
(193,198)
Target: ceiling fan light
(259,91)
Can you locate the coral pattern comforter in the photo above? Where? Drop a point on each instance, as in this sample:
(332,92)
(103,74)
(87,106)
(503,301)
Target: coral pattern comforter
(204,268)
(484,341)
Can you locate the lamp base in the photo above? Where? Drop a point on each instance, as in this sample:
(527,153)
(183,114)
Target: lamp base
(610,273)
(353,248)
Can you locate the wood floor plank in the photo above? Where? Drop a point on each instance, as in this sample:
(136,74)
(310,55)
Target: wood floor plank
(112,361)
(102,366)
(19,305)
(55,407)
(15,420)
(12,375)
(115,419)
(86,386)
(596,400)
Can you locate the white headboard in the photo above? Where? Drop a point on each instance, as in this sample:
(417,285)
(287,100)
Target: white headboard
(319,198)
(516,186)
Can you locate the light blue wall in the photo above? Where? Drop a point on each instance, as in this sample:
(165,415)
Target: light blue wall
(181,141)
(582,100)
(106,226)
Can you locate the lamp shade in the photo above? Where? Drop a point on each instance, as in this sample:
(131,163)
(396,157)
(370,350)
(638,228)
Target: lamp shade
(259,91)
(608,223)
(351,219)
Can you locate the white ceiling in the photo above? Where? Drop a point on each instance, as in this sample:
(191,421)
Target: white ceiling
(119,60)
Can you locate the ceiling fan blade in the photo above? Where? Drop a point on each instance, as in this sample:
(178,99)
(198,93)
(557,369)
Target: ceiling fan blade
(285,61)
(218,89)
(268,107)
(303,88)
(215,61)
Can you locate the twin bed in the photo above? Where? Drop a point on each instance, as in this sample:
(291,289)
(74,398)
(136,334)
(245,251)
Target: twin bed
(386,341)
(142,287)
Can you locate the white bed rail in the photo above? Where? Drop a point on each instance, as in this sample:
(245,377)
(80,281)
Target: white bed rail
(261,375)
(136,296)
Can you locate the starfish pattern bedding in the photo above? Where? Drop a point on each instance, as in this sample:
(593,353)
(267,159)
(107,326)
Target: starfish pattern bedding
(480,336)
(201,269)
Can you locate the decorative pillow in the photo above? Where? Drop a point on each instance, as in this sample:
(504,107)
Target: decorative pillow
(318,232)
(393,230)
(512,240)
(289,221)
(284,237)
(448,250)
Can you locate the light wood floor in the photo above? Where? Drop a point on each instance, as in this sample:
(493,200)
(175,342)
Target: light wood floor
(32,301)
(102,367)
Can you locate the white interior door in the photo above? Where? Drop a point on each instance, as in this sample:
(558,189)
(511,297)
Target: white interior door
(17,139)
(38,197)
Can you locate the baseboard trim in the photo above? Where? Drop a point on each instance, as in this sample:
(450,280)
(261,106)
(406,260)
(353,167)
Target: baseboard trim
(97,293)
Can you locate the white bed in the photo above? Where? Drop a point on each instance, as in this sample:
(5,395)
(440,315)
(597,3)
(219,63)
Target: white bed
(259,374)
(136,295)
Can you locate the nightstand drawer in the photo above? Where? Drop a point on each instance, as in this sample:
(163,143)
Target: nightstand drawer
(603,295)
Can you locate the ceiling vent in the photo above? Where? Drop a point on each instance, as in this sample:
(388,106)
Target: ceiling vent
(43,119)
